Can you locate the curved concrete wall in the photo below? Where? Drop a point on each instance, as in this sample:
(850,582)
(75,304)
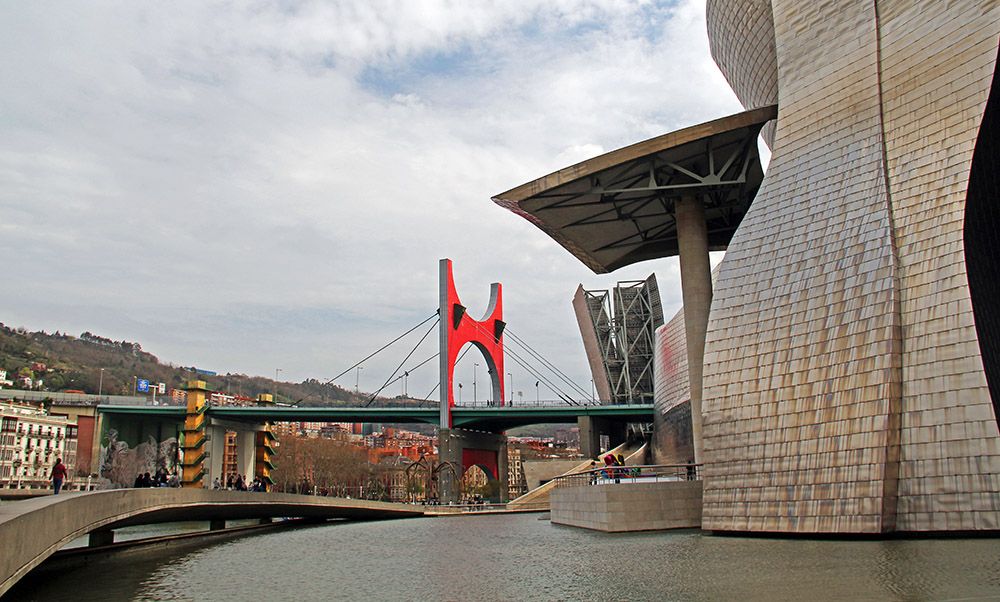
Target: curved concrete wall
(844,388)
(32,530)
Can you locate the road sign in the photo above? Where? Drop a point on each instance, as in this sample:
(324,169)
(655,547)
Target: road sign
(162,388)
(142,385)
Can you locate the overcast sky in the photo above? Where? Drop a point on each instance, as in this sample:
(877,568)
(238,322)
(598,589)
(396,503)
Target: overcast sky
(257,185)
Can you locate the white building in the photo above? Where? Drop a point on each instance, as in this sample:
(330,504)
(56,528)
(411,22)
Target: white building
(30,442)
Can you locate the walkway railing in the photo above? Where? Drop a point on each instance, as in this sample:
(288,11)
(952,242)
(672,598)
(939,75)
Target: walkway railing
(649,473)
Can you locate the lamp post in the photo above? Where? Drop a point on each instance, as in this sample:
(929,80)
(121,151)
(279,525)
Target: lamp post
(511,376)
(357,377)
(536,392)
(459,393)
(100,384)
(593,391)
(274,388)
(475,394)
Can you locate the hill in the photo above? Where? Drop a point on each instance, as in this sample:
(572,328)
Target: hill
(63,362)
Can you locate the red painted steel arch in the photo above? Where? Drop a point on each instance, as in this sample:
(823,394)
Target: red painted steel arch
(458,328)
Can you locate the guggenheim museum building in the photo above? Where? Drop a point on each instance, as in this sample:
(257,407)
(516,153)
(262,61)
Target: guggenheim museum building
(839,370)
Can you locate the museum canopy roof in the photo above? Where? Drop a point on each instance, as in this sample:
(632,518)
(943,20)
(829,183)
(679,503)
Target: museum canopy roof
(618,208)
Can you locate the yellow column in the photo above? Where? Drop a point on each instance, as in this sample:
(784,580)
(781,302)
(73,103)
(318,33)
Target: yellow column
(193,465)
(265,448)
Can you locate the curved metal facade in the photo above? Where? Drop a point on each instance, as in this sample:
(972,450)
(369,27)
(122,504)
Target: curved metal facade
(844,385)
(742,44)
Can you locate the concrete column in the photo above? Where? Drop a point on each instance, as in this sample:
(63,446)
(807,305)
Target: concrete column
(449,450)
(592,428)
(246,445)
(503,474)
(102,537)
(590,437)
(216,452)
(452,443)
(696,291)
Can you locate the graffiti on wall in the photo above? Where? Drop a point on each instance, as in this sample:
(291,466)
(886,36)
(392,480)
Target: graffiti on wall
(121,464)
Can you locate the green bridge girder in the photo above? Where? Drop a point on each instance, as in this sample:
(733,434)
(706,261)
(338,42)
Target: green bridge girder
(481,418)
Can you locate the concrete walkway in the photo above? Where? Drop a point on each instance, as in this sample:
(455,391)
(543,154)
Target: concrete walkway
(32,530)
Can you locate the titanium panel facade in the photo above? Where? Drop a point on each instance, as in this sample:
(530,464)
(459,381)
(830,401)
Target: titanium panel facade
(844,385)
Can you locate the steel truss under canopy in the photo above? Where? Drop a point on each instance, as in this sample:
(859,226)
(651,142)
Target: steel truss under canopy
(619,208)
(625,341)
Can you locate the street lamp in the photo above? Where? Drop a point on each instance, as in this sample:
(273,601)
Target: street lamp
(357,377)
(536,392)
(459,392)
(274,387)
(593,391)
(475,394)
(100,384)
(511,388)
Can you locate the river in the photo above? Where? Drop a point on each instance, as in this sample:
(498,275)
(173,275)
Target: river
(520,557)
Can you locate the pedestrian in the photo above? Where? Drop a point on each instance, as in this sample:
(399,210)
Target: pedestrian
(609,467)
(58,475)
(216,484)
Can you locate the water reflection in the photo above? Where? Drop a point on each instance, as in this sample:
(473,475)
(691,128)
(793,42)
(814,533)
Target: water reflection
(518,557)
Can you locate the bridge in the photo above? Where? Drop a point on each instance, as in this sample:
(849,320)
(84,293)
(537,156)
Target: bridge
(32,530)
(487,418)
(466,435)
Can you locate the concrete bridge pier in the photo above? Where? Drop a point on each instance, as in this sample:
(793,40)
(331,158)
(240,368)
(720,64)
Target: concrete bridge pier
(246,449)
(463,449)
(591,429)
(101,537)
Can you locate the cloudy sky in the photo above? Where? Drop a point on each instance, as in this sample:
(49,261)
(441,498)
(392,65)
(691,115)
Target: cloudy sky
(245,186)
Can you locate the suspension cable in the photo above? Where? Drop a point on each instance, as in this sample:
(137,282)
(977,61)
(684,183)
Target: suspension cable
(546,362)
(408,370)
(405,359)
(428,398)
(524,364)
(383,348)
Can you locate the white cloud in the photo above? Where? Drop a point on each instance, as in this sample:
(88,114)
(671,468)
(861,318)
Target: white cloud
(271,185)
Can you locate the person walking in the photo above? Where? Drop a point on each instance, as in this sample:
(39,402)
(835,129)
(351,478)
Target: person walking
(58,475)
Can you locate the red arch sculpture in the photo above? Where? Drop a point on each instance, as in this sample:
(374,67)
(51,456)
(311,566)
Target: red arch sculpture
(458,328)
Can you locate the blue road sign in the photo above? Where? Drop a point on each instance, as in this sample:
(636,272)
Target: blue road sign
(142,385)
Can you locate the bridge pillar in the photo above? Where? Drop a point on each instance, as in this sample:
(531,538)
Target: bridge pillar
(216,454)
(101,537)
(591,429)
(463,449)
(195,421)
(246,448)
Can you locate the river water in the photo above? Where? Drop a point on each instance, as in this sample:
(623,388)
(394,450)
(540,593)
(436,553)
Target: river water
(520,557)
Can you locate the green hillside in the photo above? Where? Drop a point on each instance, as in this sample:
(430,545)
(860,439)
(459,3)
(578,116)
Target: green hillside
(70,363)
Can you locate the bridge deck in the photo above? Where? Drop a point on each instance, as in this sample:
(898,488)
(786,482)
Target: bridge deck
(490,418)
(32,530)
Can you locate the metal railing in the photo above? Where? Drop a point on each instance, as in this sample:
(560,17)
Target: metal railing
(646,473)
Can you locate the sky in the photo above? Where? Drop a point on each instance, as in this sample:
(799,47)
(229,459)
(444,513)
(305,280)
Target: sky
(252,186)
